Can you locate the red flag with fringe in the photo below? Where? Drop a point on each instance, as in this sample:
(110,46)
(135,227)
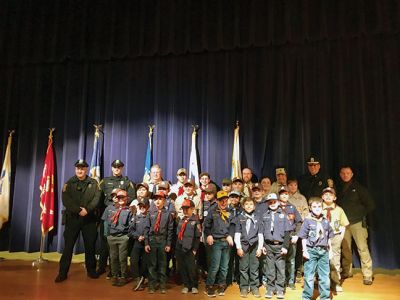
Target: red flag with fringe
(47,189)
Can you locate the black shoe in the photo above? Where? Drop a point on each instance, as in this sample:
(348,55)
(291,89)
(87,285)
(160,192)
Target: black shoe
(93,275)
(122,281)
(101,271)
(138,283)
(210,292)
(60,278)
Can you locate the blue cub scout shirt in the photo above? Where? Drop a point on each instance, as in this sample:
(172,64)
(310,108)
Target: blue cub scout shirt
(309,231)
(280,228)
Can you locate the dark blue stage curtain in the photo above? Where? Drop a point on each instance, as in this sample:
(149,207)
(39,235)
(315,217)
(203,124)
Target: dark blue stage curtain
(296,90)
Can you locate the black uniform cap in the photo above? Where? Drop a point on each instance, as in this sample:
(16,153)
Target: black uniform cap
(81,163)
(117,163)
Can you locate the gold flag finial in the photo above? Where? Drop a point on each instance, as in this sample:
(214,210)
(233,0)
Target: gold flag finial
(97,129)
(11,132)
(51,132)
(237,123)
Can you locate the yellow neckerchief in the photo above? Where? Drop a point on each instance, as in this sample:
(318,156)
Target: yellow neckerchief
(224,214)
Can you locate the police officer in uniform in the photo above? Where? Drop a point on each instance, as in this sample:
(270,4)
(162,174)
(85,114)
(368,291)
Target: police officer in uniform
(312,183)
(107,185)
(80,196)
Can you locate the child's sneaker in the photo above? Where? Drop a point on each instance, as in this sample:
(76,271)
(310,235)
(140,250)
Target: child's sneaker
(185,290)
(210,292)
(195,290)
(243,293)
(256,293)
(268,294)
(221,290)
(280,295)
(338,288)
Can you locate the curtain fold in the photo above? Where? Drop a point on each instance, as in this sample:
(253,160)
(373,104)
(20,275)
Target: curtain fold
(57,31)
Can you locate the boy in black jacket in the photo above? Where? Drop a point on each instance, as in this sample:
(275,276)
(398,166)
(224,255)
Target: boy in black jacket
(249,243)
(187,243)
(158,238)
(138,255)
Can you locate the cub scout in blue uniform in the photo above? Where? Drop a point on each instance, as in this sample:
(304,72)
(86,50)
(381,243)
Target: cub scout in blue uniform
(276,232)
(117,218)
(187,243)
(219,228)
(316,234)
(249,243)
(295,221)
(158,238)
(138,255)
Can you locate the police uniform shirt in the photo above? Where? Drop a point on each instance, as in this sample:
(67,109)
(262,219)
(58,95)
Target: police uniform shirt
(191,235)
(317,231)
(108,184)
(248,230)
(166,228)
(137,226)
(80,193)
(275,226)
(312,185)
(121,227)
(218,228)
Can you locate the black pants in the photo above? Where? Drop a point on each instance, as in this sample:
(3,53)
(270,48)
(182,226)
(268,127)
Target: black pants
(104,252)
(233,268)
(73,226)
(187,267)
(274,268)
(138,260)
(248,266)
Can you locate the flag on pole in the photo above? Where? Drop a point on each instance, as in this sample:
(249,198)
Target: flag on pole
(47,188)
(95,162)
(5,181)
(236,169)
(149,156)
(193,165)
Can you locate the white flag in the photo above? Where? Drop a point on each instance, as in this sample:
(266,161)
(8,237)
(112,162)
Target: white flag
(193,166)
(236,170)
(5,180)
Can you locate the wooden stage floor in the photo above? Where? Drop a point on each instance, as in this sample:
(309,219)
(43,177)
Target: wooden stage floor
(19,280)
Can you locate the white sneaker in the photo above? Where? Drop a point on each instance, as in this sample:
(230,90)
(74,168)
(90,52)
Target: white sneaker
(195,291)
(339,288)
(185,290)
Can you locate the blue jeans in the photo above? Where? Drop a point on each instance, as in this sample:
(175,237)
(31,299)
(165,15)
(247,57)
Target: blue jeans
(219,263)
(318,261)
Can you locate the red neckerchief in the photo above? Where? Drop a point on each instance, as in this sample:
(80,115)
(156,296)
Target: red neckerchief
(158,221)
(182,230)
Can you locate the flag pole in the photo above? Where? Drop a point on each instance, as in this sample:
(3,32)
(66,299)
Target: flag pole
(10,134)
(40,261)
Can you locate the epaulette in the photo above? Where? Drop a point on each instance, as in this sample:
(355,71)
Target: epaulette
(65,187)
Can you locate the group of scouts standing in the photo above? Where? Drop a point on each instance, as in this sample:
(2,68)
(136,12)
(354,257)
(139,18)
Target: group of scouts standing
(251,233)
